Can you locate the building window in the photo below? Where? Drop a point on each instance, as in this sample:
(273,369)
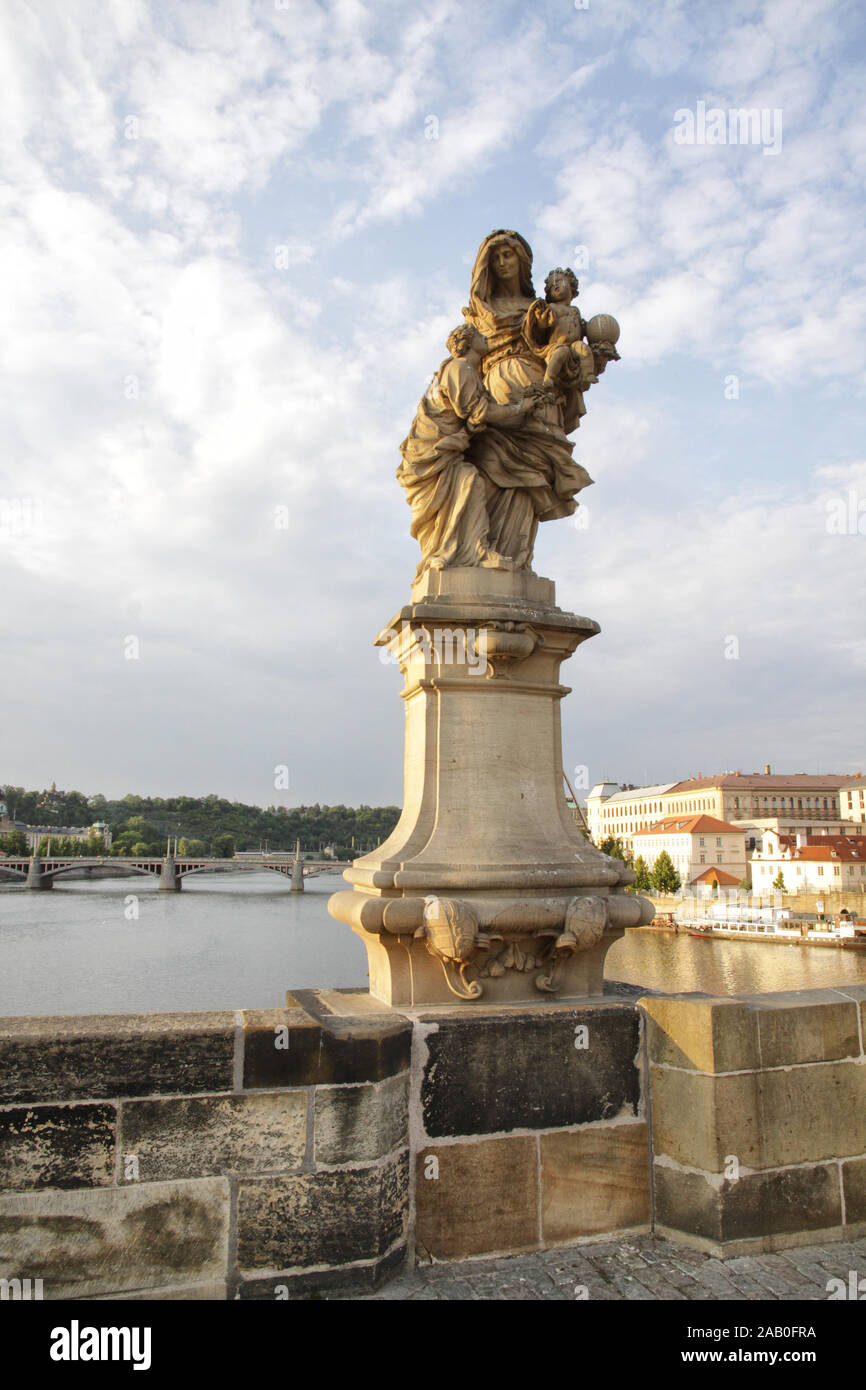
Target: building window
(820,870)
(718,839)
(703,841)
(703,859)
(718,859)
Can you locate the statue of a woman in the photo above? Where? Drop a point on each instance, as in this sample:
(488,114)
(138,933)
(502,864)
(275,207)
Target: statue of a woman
(529,470)
(447,494)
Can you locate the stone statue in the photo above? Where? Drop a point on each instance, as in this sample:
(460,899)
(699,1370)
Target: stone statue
(486,889)
(488,455)
(448,495)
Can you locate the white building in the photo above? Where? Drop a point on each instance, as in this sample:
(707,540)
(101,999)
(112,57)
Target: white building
(811,863)
(852,801)
(786,802)
(702,848)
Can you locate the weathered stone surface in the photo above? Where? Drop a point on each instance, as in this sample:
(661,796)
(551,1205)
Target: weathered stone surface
(766,1119)
(708,1035)
(56,1146)
(477,1198)
(769,1030)
(214,1134)
(356,1123)
(854,1188)
(329,1218)
(593,1181)
(487,1073)
(351,1280)
(812,1112)
(811,1025)
(757,1205)
(214,1292)
(106,1055)
(699,1119)
(105,1240)
(321,1052)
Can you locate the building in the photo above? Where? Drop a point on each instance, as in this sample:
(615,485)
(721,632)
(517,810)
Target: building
(852,799)
(702,848)
(759,801)
(811,863)
(36,833)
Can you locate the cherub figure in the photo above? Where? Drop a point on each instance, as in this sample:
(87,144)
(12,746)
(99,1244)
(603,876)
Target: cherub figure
(568,358)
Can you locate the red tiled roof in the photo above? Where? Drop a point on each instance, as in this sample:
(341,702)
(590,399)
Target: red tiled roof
(826,847)
(718,875)
(692,825)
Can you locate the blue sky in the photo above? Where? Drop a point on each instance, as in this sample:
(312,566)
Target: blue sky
(231,256)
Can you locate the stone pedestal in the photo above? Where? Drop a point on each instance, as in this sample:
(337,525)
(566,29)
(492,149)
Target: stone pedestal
(486,888)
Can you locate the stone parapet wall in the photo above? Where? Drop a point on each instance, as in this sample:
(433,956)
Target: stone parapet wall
(758,1116)
(283,1153)
(256,1154)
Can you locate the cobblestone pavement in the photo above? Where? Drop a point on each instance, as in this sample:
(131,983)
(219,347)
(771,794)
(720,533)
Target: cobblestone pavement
(642,1267)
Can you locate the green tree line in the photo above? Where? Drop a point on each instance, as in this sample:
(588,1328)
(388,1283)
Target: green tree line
(204,825)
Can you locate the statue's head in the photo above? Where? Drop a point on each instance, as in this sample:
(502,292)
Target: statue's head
(561,286)
(501,255)
(464,338)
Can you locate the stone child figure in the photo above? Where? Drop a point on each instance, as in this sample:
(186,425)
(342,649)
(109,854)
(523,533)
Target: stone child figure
(568,358)
(447,493)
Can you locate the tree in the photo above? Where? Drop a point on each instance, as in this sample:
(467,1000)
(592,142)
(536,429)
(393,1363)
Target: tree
(15,843)
(223,847)
(779,881)
(664,877)
(642,880)
(614,847)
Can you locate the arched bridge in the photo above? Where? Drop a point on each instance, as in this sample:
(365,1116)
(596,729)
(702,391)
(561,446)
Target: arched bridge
(41,873)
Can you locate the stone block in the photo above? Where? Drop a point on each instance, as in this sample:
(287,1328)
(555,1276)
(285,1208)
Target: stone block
(102,1056)
(701,1034)
(858,994)
(358,1123)
(811,1025)
(812,1112)
(211,1135)
(757,1206)
(593,1181)
(104,1240)
(324,1051)
(325,1218)
(487,1073)
(56,1146)
(323,1283)
(477,1198)
(687,1201)
(768,1119)
(854,1188)
(699,1119)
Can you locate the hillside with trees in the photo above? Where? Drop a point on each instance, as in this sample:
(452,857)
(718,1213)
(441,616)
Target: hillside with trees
(208,824)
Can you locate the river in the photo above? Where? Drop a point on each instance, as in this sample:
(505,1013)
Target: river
(240,942)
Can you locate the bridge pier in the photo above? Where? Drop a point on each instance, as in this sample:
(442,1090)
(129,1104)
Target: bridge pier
(298,871)
(169,878)
(37,878)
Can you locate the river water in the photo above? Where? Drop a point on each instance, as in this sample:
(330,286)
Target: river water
(242,941)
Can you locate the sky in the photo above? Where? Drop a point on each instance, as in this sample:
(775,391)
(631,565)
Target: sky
(235,235)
